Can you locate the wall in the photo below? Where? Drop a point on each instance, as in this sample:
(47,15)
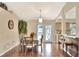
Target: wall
(8,38)
(71,14)
(31,26)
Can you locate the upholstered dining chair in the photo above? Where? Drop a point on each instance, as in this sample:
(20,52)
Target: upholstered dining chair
(22,42)
(29,43)
(32,45)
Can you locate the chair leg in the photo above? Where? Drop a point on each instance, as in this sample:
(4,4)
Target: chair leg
(41,48)
(32,50)
(25,51)
(21,48)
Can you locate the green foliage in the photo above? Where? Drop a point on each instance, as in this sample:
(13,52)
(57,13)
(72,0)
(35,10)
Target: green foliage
(22,26)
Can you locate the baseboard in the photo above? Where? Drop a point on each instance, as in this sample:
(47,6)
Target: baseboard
(9,49)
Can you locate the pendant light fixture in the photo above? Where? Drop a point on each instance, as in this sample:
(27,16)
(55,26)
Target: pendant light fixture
(40,18)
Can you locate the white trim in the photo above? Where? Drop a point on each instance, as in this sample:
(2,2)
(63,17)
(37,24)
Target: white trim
(9,49)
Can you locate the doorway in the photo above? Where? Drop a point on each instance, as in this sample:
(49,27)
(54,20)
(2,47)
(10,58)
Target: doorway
(46,32)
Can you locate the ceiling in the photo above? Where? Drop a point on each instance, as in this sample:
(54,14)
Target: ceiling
(31,10)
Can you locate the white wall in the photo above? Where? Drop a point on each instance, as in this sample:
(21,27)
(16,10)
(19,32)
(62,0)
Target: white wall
(8,38)
(71,14)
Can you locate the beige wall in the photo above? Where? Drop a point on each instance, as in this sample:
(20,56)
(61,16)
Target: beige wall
(8,38)
(32,24)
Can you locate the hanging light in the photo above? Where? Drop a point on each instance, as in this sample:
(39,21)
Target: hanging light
(40,18)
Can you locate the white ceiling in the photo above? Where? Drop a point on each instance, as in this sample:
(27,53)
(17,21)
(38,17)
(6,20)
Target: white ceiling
(30,10)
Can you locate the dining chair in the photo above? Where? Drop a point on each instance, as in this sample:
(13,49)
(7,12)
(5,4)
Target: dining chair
(28,44)
(31,44)
(21,45)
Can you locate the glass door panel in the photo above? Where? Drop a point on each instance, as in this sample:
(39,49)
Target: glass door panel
(40,31)
(48,30)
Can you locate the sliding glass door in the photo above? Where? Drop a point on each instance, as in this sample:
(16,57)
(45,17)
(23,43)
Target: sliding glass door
(46,32)
(48,40)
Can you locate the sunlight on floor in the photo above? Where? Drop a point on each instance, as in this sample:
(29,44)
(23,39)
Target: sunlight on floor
(48,49)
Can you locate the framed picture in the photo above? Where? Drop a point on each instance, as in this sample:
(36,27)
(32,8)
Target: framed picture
(10,24)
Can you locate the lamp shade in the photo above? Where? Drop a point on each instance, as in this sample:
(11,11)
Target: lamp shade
(40,20)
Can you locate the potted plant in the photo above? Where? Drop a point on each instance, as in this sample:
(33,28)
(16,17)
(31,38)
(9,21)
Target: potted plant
(22,27)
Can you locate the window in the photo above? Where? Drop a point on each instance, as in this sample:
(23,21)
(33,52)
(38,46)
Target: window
(73,29)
